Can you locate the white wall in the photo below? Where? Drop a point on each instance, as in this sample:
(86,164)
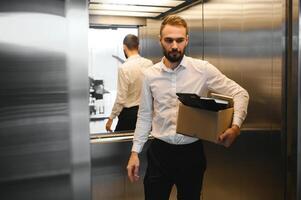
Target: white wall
(103,43)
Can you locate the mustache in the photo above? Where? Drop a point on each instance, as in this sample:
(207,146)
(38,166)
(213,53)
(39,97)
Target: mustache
(175,51)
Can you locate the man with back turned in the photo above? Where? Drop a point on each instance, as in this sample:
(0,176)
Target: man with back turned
(129,86)
(176,159)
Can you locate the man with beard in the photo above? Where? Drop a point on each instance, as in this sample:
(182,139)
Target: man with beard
(176,159)
(129,86)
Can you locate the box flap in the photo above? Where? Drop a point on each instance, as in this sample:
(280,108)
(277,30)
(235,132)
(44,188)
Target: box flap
(196,101)
(229,99)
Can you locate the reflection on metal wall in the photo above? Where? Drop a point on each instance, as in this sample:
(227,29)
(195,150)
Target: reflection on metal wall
(194,18)
(244,40)
(40,147)
(109,175)
(149,40)
(293,104)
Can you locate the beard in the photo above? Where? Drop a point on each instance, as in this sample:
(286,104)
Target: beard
(174,55)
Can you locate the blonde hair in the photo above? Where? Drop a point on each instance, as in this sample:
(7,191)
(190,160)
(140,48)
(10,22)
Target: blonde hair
(173,20)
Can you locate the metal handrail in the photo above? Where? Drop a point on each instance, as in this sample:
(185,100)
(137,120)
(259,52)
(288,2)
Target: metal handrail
(112,137)
(100,138)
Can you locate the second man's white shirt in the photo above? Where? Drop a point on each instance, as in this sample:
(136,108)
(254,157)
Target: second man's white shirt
(130,76)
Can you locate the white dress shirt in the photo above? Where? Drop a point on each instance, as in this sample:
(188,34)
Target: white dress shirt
(159,103)
(130,76)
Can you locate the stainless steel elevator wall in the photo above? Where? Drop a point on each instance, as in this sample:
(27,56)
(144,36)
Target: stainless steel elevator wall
(44,136)
(149,40)
(293,103)
(244,39)
(42,76)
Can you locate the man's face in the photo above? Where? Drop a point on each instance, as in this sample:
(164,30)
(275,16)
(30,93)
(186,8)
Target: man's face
(173,40)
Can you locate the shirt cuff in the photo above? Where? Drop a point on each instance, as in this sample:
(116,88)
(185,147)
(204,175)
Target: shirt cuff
(137,147)
(112,116)
(237,121)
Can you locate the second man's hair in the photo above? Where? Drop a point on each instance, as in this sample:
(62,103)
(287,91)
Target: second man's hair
(131,42)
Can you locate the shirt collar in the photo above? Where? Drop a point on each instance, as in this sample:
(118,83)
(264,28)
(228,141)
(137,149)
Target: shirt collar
(133,57)
(183,64)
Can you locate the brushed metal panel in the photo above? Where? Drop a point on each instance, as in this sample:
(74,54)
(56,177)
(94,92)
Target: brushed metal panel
(258,74)
(34,96)
(296,146)
(278,61)
(194,16)
(211,32)
(34,131)
(38,144)
(109,175)
(292,112)
(49,188)
(244,40)
(152,49)
(250,169)
(142,41)
(53,7)
(78,88)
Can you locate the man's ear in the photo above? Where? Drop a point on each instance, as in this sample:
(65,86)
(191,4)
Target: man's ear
(187,40)
(160,38)
(125,48)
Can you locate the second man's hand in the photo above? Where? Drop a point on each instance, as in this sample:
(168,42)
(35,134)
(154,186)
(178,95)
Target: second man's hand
(109,124)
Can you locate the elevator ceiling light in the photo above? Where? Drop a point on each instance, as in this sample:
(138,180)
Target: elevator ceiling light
(130,8)
(122,13)
(168,3)
(138,8)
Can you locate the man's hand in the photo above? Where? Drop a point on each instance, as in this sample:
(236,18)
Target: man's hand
(109,124)
(228,137)
(133,167)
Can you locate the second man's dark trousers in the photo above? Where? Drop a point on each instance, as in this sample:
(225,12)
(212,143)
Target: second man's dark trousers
(127,119)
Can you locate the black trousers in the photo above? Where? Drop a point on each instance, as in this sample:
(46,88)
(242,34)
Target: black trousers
(179,165)
(127,119)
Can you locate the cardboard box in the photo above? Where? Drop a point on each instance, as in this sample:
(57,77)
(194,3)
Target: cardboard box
(203,124)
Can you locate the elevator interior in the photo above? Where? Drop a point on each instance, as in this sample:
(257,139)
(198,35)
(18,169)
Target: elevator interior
(46,149)
(230,35)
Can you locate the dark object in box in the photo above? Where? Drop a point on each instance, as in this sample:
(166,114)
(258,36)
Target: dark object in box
(195,101)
